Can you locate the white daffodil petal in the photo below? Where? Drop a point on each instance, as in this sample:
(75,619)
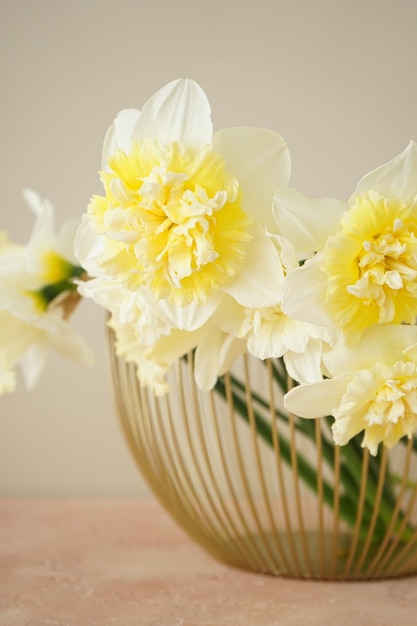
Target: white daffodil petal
(66,239)
(259,158)
(287,253)
(306,222)
(229,315)
(36,293)
(305,367)
(16,335)
(206,361)
(384,343)
(175,345)
(297,334)
(232,348)
(214,355)
(180,111)
(33,201)
(316,399)
(60,336)
(259,281)
(395,179)
(33,363)
(119,135)
(42,238)
(149,372)
(268,342)
(13,263)
(88,246)
(303,294)
(105,292)
(190,317)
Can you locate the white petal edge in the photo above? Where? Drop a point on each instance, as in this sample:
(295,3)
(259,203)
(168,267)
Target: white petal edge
(59,335)
(180,111)
(33,200)
(33,363)
(306,222)
(119,135)
(214,355)
(88,246)
(396,178)
(259,281)
(175,345)
(305,366)
(190,317)
(316,399)
(260,159)
(386,343)
(66,238)
(303,294)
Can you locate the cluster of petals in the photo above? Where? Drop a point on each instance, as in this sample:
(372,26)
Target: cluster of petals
(360,278)
(363,265)
(371,388)
(179,241)
(33,300)
(198,243)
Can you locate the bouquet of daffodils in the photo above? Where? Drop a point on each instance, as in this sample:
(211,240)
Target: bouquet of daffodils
(199,244)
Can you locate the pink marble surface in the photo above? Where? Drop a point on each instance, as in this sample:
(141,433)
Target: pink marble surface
(123,562)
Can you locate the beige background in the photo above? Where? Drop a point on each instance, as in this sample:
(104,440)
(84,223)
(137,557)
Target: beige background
(337,79)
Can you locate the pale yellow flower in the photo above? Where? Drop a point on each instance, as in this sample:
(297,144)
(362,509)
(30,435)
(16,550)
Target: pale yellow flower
(265,332)
(150,372)
(183,212)
(365,272)
(371,265)
(36,292)
(372,388)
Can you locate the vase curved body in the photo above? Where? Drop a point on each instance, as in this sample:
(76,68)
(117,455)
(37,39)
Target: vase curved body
(238,478)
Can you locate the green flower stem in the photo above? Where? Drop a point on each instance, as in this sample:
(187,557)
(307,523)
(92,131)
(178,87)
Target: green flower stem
(51,291)
(307,428)
(351,472)
(306,470)
(76,271)
(351,456)
(350,462)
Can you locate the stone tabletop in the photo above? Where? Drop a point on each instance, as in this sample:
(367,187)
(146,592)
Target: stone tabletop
(124,562)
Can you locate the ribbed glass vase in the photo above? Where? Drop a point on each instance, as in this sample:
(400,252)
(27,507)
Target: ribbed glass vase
(266,491)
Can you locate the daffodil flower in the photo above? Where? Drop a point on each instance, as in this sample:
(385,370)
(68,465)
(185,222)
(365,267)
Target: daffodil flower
(37,291)
(372,388)
(183,215)
(265,332)
(129,346)
(365,269)
(271,333)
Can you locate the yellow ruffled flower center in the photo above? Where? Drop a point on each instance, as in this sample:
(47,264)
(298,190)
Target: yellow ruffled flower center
(172,220)
(372,263)
(54,267)
(381,401)
(56,278)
